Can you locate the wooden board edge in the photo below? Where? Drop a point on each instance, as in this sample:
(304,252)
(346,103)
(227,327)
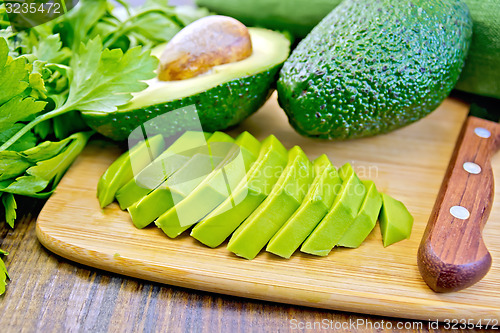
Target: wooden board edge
(374,304)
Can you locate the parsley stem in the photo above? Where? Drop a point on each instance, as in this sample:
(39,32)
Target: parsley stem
(124,26)
(33,123)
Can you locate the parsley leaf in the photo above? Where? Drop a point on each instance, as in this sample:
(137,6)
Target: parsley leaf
(100,81)
(29,186)
(104,80)
(74,27)
(14,80)
(17,109)
(39,169)
(53,169)
(50,49)
(37,78)
(9,202)
(13,74)
(12,164)
(27,141)
(3,274)
(44,150)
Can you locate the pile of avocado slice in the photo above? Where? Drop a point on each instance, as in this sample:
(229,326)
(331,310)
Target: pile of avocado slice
(254,193)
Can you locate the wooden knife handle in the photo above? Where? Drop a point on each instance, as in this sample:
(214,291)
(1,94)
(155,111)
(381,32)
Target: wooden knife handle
(452,255)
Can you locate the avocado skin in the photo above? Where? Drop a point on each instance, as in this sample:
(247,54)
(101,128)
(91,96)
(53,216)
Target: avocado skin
(481,74)
(298,17)
(371,67)
(218,108)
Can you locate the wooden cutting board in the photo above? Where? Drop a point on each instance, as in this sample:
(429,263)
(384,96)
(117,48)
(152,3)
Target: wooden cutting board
(408,164)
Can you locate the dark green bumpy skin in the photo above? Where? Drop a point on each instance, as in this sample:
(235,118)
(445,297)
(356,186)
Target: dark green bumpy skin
(218,108)
(298,17)
(371,67)
(481,74)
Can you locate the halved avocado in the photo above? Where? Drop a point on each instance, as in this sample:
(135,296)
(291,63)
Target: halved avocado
(223,97)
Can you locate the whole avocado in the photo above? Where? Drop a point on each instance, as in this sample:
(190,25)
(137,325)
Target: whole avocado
(481,74)
(296,16)
(371,67)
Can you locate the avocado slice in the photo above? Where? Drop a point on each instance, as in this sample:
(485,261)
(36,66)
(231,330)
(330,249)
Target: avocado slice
(120,171)
(396,221)
(315,206)
(212,191)
(340,217)
(366,219)
(370,67)
(223,97)
(253,189)
(161,168)
(182,182)
(276,209)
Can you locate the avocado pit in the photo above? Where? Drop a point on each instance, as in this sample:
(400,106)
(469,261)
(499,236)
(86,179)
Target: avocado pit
(208,42)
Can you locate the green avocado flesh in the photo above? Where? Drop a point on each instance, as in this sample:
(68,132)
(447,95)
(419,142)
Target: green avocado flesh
(213,190)
(253,193)
(314,207)
(286,196)
(182,182)
(340,217)
(217,226)
(371,67)
(366,219)
(161,168)
(223,97)
(121,171)
(395,221)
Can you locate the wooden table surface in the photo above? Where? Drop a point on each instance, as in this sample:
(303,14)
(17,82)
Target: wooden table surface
(48,293)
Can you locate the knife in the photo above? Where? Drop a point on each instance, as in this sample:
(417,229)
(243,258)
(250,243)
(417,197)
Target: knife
(452,254)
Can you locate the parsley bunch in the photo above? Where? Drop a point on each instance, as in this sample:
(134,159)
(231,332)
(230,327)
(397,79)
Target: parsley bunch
(52,73)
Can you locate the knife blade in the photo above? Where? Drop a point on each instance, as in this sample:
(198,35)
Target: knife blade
(452,254)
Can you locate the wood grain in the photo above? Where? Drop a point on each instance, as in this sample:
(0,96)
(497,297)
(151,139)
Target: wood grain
(408,164)
(452,254)
(51,294)
(48,293)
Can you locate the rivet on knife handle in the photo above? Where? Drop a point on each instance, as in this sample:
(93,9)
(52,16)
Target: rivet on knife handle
(452,255)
